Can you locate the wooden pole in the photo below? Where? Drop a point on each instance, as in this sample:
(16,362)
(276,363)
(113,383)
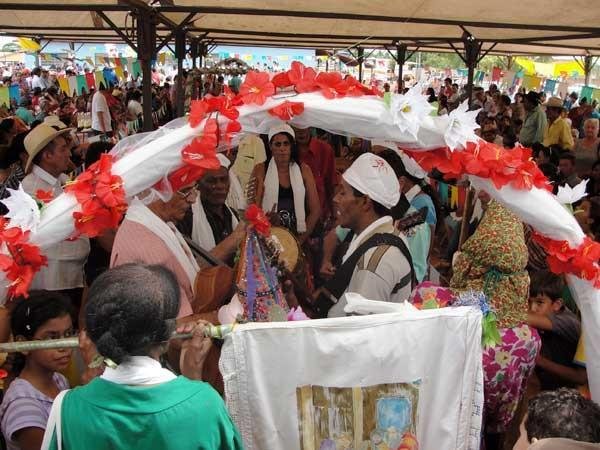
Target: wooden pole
(466,217)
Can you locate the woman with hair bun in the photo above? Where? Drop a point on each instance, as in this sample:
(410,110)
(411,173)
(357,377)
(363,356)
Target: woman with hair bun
(130,317)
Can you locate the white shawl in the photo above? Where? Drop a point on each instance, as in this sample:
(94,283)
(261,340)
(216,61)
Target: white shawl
(140,213)
(236,199)
(202,233)
(271,193)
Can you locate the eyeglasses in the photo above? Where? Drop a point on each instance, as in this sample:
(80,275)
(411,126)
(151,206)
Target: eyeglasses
(188,193)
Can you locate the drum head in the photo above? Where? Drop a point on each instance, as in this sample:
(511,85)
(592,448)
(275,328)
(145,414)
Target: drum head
(290,248)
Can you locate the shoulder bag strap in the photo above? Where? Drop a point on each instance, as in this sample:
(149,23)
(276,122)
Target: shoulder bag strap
(54,423)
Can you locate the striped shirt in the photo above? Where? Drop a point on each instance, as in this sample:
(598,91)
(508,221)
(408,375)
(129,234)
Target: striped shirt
(24,406)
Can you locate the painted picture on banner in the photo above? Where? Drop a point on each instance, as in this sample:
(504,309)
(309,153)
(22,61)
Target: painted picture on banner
(381,417)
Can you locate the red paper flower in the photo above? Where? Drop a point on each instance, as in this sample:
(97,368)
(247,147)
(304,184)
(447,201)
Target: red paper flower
(287,110)
(281,80)
(198,111)
(258,220)
(581,261)
(303,78)
(23,260)
(483,159)
(356,88)
(256,88)
(44,196)
(101,196)
(332,85)
(198,156)
(224,106)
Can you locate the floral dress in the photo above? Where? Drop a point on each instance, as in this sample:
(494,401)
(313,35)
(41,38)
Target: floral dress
(493,261)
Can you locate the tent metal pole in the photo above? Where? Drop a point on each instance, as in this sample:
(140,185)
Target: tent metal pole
(400,60)
(180,56)
(146,39)
(472,49)
(361,55)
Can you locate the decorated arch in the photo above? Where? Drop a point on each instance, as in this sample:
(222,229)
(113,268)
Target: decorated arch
(185,148)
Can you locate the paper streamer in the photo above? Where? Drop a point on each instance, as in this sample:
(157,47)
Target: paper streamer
(63,83)
(586,92)
(136,69)
(72,85)
(100,78)
(81,84)
(90,81)
(549,86)
(119,73)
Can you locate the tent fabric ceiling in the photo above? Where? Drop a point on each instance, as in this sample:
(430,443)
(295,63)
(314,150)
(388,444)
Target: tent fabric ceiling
(510,26)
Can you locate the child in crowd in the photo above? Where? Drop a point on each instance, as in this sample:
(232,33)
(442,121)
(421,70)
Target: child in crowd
(559,328)
(561,419)
(27,402)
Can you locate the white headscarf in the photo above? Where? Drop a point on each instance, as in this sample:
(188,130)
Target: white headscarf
(374,177)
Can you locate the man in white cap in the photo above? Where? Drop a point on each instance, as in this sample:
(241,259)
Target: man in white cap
(211,222)
(377,264)
(49,159)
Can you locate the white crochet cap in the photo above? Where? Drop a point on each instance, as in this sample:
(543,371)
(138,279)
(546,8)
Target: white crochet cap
(281,128)
(374,177)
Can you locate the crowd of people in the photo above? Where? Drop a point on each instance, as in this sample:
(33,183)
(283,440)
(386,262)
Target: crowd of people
(365,219)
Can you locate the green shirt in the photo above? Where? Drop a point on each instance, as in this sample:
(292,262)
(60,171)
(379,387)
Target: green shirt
(533,127)
(178,415)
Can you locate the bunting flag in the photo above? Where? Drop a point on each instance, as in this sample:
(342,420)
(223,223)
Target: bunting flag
(531,82)
(81,84)
(72,85)
(119,72)
(130,65)
(496,74)
(116,62)
(28,45)
(14,92)
(596,94)
(162,58)
(508,77)
(453,197)
(63,83)
(549,86)
(90,81)
(563,89)
(136,69)
(586,92)
(443,192)
(4,97)
(100,79)
(90,61)
(284,58)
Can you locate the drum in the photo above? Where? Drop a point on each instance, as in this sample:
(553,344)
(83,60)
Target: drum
(291,256)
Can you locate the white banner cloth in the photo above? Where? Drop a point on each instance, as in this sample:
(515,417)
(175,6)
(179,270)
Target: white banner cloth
(263,364)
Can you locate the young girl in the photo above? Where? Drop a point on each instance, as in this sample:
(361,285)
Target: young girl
(26,405)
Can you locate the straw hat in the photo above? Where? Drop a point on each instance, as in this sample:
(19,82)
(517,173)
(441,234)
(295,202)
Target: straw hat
(39,138)
(554,102)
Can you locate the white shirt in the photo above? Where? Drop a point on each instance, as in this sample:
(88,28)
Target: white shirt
(99,104)
(65,259)
(134,108)
(378,284)
(40,82)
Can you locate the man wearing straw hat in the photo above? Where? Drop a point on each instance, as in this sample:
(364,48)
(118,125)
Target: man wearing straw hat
(49,159)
